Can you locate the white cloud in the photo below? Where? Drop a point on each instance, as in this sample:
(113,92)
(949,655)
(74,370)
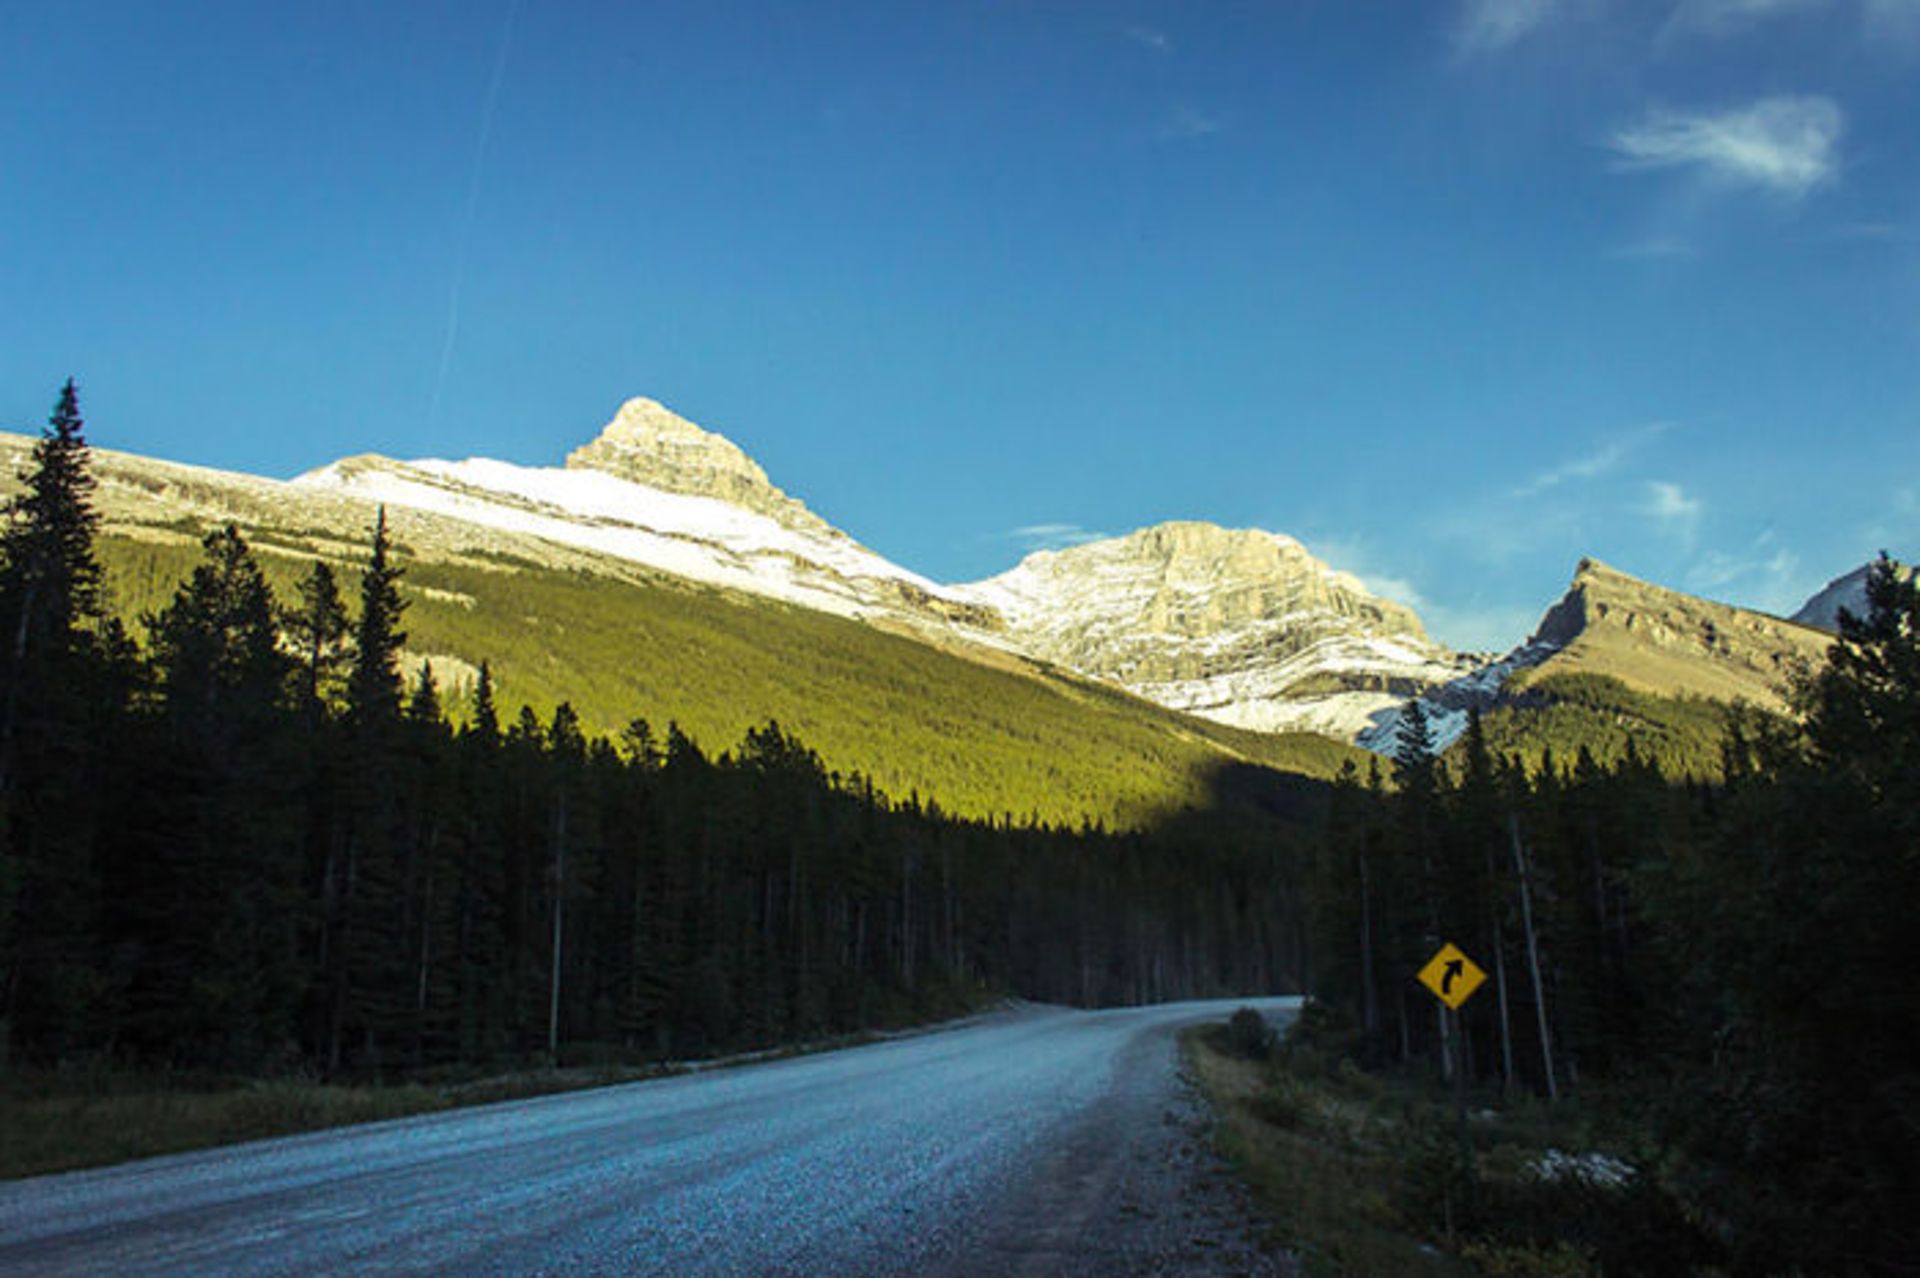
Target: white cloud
(1658,246)
(1187,122)
(1474,626)
(1601,461)
(1489,629)
(1896,18)
(1669,505)
(1490,26)
(1148,37)
(1398,589)
(1766,576)
(1786,144)
(1051,536)
(1721,18)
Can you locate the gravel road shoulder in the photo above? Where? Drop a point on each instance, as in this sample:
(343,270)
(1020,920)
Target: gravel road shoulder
(1132,1187)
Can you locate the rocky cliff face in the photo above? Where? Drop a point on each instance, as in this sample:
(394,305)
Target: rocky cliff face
(1648,637)
(1668,642)
(1242,626)
(647,443)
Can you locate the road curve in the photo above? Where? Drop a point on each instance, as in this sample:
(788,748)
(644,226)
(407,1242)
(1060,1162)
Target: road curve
(1018,1142)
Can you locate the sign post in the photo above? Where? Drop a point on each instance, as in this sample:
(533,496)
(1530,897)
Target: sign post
(1453,977)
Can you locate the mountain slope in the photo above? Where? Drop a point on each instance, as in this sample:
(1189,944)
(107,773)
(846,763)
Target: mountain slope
(1670,643)
(657,490)
(982,731)
(1240,626)
(1617,657)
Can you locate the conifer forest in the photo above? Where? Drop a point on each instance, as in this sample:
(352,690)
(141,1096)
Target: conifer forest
(245,839)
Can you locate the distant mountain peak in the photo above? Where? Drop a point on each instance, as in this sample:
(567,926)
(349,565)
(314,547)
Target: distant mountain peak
(1240,625)
(1667,641)
(648,443)
(1848,591)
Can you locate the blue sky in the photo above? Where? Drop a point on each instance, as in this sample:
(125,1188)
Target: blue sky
(1454,292)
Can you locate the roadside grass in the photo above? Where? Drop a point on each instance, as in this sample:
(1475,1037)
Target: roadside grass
(94,1116)
(58,1121)
(1367,1173)
(1316,1154)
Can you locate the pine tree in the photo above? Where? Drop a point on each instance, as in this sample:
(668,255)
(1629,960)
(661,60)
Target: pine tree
(208,889)
(217,643)
(1792,925)
(373,686)
(424,706)
(319,632)
(49,577)
(369,995)
(58,693)
(486,719)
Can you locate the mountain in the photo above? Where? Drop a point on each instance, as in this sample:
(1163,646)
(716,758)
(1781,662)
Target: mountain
(1624,651)
(661,572)
(1669,643)
(655,489)
(1240,626)
(1849,592)
(1244,628)
(516,566)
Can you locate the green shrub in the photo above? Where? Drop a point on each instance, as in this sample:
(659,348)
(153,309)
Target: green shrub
(1249,1035)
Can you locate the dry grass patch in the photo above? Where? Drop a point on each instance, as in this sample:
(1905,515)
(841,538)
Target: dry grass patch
(1310,1153)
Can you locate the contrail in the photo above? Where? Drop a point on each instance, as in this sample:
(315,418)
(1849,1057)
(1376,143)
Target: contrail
(473,201)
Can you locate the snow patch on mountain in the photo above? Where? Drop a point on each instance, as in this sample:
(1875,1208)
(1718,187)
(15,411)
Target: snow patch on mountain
(703,538)
(1448,706)
(1242,626)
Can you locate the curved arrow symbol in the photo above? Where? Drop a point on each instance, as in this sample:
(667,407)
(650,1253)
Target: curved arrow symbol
(1454,968)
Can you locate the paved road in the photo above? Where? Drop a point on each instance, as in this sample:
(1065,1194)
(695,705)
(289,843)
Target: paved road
(1035,1140)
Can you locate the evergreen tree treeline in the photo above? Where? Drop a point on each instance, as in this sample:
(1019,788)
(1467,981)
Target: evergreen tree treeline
(257,844)
(1728,966)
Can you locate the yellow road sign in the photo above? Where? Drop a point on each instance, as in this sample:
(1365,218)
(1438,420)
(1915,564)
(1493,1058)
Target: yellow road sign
(1451,975)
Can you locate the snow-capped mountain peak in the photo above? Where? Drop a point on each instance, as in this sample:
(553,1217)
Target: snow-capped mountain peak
(1848,592)
(649,444)
(657,490)
(1239,625)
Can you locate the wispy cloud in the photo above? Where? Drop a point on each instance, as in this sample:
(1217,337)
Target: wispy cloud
(1602,460)
(1051,536)
(1668,505)
(1495,628)
(1654,247)
(1897,19)
(1148,37)
(1718,19)
(1187,122)
(1492,26)
(1470,626)
(1765,576)
(1878,231)
(1894,526)
(1784,144)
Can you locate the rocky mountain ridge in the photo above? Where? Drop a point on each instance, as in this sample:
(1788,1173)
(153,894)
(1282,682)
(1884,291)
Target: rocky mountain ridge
(647,443)
(1241,626)
(1648,637)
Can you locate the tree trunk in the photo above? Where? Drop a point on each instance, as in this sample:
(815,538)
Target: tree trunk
(559,915)
(1533,957)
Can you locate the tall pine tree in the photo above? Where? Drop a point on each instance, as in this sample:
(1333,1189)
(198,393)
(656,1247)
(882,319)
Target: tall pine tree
(55,692)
